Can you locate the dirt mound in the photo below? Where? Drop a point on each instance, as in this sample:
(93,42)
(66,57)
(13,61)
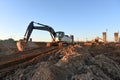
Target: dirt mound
(49,72)
(72,63)
(7,47)
(31,45)
(108,66)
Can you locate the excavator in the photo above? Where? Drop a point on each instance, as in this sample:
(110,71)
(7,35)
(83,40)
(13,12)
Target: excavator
(58,38)
(96,42)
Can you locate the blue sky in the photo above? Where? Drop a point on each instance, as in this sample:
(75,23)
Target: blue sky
(82,18)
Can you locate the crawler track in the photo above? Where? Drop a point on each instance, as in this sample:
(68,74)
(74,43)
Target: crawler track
(10,63)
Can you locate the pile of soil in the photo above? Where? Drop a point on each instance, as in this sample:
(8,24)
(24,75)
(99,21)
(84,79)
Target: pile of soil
(73,63)
(8,47)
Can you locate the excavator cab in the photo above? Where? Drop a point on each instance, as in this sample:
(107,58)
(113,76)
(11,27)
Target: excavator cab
(59,35)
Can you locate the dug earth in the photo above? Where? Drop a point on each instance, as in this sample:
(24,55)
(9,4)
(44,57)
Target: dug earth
(72,63)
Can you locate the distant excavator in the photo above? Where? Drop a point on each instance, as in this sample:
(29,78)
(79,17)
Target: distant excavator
(57,37)
(96,41)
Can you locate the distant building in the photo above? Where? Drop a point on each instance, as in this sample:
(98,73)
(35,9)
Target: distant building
(104,36)
(116,37)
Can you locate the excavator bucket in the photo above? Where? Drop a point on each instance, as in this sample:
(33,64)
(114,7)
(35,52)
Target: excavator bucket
(19,46)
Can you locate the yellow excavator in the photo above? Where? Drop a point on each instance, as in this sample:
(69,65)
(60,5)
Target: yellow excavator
(57,37)
(97,41)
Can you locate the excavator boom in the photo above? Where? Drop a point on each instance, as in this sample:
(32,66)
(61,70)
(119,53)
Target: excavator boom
(22,43)
(41,27)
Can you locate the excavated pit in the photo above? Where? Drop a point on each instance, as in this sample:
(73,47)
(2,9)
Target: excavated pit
(73,63)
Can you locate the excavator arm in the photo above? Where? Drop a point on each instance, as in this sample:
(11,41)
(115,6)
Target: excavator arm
(22,43)
(41,27)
